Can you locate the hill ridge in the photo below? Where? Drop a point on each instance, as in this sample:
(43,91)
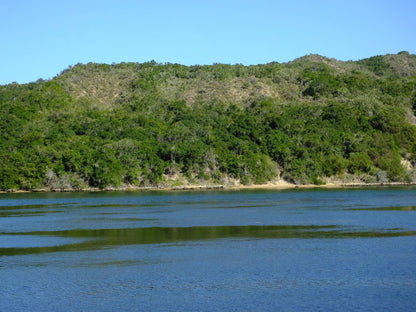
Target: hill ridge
(148,124)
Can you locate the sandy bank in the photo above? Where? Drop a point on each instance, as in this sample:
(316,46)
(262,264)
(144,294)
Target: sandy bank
(279,185)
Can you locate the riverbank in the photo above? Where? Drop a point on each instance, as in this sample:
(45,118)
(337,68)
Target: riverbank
(277,185)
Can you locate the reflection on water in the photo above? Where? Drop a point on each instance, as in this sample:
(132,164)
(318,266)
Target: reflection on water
(404,208)
(295,250)
(95,239)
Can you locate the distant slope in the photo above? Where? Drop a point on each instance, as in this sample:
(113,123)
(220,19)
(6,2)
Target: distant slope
(311,120)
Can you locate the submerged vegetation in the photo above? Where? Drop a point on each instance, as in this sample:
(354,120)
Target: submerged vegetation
(150,124)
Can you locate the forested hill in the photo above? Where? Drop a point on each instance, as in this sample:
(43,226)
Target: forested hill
(151,124)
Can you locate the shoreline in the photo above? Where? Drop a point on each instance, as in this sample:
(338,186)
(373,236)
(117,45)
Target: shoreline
(281,185)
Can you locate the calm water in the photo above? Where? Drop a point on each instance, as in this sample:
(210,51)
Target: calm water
(293,250)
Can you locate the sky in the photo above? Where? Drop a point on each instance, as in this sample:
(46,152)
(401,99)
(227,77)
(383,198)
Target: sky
(40,38)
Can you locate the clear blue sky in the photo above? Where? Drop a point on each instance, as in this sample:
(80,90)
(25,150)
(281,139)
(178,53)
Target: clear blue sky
(40,38)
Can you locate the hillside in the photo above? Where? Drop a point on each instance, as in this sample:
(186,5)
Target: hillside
(311,120)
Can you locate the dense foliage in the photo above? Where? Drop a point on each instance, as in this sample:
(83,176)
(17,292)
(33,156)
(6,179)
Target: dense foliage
(99,125)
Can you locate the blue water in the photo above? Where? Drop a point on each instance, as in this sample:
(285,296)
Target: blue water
(292,250)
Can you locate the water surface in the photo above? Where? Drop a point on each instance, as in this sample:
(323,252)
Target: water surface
(292,250)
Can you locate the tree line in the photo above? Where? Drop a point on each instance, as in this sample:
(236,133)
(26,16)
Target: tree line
(142,124)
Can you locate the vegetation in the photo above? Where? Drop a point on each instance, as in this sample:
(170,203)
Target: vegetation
(150,124)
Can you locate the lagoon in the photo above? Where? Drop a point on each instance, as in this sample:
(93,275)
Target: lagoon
(350,249)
